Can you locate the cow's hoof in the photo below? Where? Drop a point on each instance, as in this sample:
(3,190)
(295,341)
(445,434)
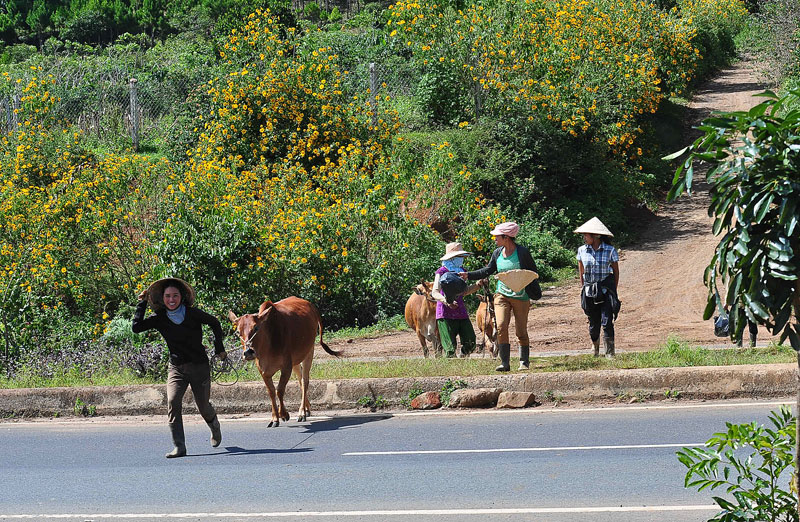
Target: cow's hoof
(301,418)
(274,424)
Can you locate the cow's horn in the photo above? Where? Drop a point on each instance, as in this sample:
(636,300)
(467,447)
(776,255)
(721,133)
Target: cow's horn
(232,316)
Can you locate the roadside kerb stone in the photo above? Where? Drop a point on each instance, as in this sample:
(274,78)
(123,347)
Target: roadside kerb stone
(515,399)
(707,382)
(474,397)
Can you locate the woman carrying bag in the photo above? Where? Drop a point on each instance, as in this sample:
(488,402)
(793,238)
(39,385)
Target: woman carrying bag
(598,267)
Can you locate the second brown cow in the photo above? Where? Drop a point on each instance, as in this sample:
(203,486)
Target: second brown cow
(421,317)
(484,317)
(281,337)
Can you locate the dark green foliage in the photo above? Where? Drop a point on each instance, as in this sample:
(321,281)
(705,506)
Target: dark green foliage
(748,461)
(441,94)
(543,171)
(99,22)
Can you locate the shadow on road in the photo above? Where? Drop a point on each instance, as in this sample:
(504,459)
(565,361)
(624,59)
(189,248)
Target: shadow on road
(236,450)
(339,423)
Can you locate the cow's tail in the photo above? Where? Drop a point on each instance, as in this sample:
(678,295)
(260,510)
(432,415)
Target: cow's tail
(321,342)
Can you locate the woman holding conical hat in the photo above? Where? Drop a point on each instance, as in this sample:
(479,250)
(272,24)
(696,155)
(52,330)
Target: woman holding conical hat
(506,257)
(598,266)
(181,325)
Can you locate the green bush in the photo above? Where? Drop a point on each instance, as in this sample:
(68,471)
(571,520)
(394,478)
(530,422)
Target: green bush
(749,462)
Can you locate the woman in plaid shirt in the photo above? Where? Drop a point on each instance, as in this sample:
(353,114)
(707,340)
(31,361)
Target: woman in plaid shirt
(598,266)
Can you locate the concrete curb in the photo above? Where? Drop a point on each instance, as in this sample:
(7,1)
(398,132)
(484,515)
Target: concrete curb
(708,382)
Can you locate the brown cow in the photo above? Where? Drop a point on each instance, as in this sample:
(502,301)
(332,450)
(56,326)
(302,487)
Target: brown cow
(486,324)
(421,317)
(281,337)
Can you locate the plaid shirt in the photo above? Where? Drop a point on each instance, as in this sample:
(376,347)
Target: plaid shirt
(597,263)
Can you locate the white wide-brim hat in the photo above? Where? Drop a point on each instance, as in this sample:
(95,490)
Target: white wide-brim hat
(155,292)
(454,249)
(517,279)
(594,226)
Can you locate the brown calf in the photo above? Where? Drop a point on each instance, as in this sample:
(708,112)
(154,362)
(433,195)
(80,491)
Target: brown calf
(281,337)
(421,317)
(486,324)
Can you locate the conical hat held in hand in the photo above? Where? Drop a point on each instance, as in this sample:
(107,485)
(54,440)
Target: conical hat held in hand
(518,279)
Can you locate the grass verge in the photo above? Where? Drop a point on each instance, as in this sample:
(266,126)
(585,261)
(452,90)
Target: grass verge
(674,353)
(392,324)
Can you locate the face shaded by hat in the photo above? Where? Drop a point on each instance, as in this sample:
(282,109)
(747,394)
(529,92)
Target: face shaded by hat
(454,249)
(155,293)
(594,226)
(509,228)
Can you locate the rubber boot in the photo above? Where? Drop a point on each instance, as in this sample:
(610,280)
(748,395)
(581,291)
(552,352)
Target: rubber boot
(596,346)
(177,451)
(178,439)
(524,357)
(216,433)
(753,340)
(504,350)
(609,344)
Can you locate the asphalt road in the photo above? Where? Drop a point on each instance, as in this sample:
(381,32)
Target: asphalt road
(600,464)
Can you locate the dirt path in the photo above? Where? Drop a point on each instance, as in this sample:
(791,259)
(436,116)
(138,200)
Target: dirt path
(661,284)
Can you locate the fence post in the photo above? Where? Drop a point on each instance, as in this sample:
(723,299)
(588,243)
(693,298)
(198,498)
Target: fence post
(477,91)
(5,118)
(134,115)
(15,102)
(373,91)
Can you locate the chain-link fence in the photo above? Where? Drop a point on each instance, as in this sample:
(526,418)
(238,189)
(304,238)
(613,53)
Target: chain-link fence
(121,105)
(131,108)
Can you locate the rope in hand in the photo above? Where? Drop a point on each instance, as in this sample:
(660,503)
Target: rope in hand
(223,367)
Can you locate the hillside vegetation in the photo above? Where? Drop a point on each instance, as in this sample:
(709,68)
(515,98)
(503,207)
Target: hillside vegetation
(277,162)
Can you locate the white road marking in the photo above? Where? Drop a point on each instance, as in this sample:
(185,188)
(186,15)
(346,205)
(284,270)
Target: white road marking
(518,450)
(371,513)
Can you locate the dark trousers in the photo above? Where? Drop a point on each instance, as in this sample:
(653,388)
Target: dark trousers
(198,376)
(600,315)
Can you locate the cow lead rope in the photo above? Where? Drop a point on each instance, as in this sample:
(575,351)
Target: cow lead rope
(223,367)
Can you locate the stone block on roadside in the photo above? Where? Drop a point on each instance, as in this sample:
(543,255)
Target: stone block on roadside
(515,399)
(474,397)
(427,401)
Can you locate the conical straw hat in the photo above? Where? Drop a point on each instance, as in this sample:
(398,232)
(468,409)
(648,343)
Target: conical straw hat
(454,249)
(594,226)
(155,292)
(516,280)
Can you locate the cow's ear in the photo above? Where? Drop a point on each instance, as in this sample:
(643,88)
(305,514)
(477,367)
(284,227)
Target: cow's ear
(232,317)
(263,312)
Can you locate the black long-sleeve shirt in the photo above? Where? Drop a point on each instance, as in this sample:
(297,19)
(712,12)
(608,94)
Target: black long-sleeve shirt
(185,340)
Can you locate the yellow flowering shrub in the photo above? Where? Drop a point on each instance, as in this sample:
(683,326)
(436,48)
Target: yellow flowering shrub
(588,67)
(290,190)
